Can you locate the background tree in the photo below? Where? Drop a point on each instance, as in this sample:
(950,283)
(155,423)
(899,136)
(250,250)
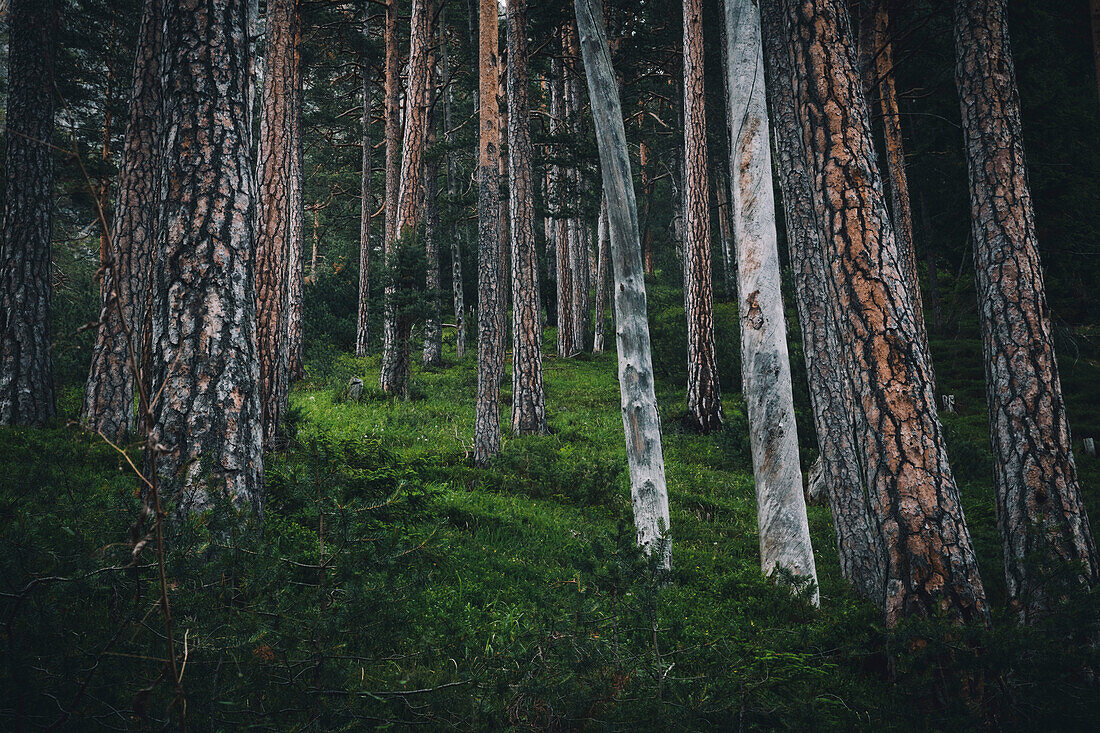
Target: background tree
(366,209)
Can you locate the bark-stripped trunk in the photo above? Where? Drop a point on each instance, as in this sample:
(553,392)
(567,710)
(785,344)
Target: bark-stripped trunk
(490,310)
(528,402)
(206,370)
(452,194)
(117,356)
(26,366)
(704,400)
(393,156)
(394,378)
(433,328)
(562,263)
(602,263)
(1043,522)
(641,422)
(362,326)
(859,541)
(280,208)
(931,568)
(765,367)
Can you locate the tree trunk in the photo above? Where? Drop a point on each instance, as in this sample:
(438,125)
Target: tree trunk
(452,195)
(528,402)
(362,326)
(206,370)
(1094,15)
(26,366)
(602,263)
(1042,519)
(859,541)
(578,245)
(490,311)
(641,421)
(704,401)
(433,329)
(280,207)
(729,268)
(566,331)
(765,366)
(393,156)
(933,270)
(930,564)
(117,356)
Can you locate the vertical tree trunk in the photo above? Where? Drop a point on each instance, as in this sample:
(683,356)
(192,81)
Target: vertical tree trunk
(490,311)
(393,156)
(602,263)
(578,245)
(280,207)
(433,329)
(859,541)
(452,195)
(117,356)
(566,331)
(647,191)
(934,297)
(1042,519)
(641,422)
(704,400)
(765,367)
(528,402)
(729,268)
(931,568)
(26,366)
(1094,15)
(362,325)
(206,370)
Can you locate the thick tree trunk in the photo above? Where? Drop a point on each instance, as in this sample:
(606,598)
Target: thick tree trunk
(362,325)
(1042,519)
(452,195)
(641,421)
(859,540)
(206,370)
(117,356)
(433,328)
(490,310)
(602,263)
(765,367)
(704,400)
(931,568)
(562,263)
(280,207)
(26,366)
(528,401)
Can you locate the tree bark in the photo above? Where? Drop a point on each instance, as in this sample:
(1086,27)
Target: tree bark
(704,400)
(26,366)
(206,370)
(393,156)
(452,195)
(433,329)
(1042,519)
(930,564)
(641,421)
(765,366)
(490,311)
(117,358)
(729,268)
(280,208)
(602,263)
(562,262)
(528,401)
(362,325)
(578,245)
(859,540)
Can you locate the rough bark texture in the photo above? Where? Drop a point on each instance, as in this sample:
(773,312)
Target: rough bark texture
(490,306)
(362,326)
(578,245)
(602,263)
(528,402)
(562,263)
(641,421)
(765,367)
(117,356)
(729,268)
(393,156)
(452,194)
(26,367)
(433,328)
(206,370)
(704,400)
(1042,520)
(280,207)
(859,541)
(931,567)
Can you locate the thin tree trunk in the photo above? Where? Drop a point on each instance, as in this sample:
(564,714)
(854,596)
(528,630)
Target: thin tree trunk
(729,268)
(566,331)
(859,540)
(1094,15)
(704,400)
(117,356)
(602,263)
(362,326)
(528,401)
(641,421)
(1042,519)
(433,329)
(934,297)
(578,246)
(206,370)
(765,367)
(452,195)
(931,568)
(393,156)
(490,311)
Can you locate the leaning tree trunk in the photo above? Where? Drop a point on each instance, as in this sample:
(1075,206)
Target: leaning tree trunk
(765,367)
(562,262)
(641,421)
(26,366)
(1042,519)
(528,401)
(117,356)
(490,310)
(859,541)
(602,263)
(362,325)
(280,207)
(432,355)
(205,367)
(704,400)
(930,564)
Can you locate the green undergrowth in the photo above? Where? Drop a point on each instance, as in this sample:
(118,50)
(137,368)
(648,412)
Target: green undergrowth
(393,584)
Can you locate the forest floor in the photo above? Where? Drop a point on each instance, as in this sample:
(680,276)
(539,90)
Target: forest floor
(392,582)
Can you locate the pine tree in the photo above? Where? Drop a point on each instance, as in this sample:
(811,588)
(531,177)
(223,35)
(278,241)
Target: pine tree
(366,209)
